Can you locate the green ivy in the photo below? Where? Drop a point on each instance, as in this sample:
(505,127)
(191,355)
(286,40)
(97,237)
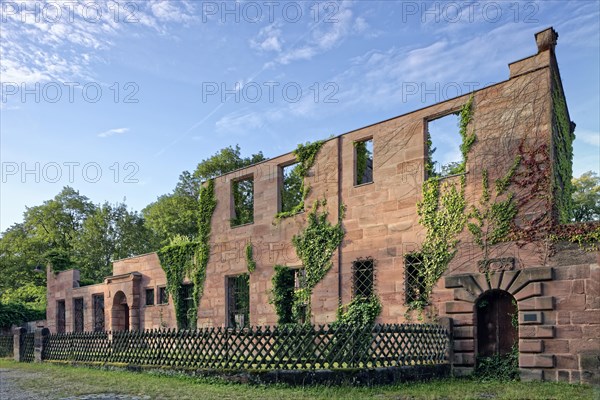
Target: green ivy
(361,311)
(208,203)
(498,367)
(306,155)
(563,153)
(441,211)
(184,258)
(491,221)
(283,294)
(362,156)
(314,246)
(442,214)
(177,260)
(250,263)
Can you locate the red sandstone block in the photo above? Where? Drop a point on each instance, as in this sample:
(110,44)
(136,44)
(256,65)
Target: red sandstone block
(567,361)
(531,290)
(585,317)
(463,345)
(537,303)
(464,359)
(457,307)
(464,332)
(563,317)
(568,332)
(536,361)
(528,375)
(578,286)
(531,346)
(556,346)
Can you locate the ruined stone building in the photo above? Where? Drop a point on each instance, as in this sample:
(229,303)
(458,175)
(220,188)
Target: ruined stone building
(517,153)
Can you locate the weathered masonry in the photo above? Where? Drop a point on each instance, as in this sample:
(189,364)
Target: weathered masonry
(476,240)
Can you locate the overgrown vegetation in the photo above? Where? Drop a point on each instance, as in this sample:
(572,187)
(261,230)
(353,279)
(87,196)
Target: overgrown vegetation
(442,212)
(295,189)
(243,202)
(563,154)
(315,246)
(250,263)
(185,258)
(499,367)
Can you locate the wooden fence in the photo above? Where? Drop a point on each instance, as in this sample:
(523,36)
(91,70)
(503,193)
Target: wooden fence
(264,348)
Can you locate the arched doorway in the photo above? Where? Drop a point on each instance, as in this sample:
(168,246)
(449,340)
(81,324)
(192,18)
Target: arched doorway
(120,312)
(497,328)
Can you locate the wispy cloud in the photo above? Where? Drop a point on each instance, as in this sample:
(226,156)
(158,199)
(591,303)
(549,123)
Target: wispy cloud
(63,46)
(111,132)
(269,38)
(588,137)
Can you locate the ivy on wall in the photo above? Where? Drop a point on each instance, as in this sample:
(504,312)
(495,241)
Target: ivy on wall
(314,247)
(442,211)
(283,294)
(306,155)
(361,311)
(490,222)
(563,154)
(250,263)
(177,260)
(184,258)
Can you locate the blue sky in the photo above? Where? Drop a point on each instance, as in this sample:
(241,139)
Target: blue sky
(118,98)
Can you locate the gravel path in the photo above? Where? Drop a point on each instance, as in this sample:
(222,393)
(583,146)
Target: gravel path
(11,389)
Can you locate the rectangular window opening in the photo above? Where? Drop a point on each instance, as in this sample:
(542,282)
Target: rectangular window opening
(163,297)
(444,146)
(363,156)
(243,202)
(187,296)
(150,297)
(291,188)
(238,301)
(363,281)
(98,300)
(78,315)
(414,281)
(60,316)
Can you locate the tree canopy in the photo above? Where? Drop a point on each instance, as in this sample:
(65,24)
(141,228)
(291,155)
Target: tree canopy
(586,197)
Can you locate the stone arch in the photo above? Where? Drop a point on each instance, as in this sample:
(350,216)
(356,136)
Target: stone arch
(497,330)
(525,285)
(120,312)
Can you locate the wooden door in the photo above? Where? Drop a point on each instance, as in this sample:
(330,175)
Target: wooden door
(496,333)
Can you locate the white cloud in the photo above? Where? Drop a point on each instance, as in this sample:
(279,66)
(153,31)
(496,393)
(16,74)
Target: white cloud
(268,38)
(51,46)
(588,137)
(111,132)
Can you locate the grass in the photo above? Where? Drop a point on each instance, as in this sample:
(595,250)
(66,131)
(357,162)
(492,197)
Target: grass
(54,381)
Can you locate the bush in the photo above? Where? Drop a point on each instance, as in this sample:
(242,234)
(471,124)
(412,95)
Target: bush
(16,314)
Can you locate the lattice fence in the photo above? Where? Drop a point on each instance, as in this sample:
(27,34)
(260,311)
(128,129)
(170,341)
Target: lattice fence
(6,345)
(266,348)
(27,347)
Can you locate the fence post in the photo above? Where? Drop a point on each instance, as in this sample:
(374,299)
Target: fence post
(18,343)
(39,340)
(447,323)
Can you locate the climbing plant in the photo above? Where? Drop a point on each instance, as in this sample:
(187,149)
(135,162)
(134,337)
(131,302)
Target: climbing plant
(306,155)
(250,263)
(283,293)
(563,154)
(315,246)
(490,221)
(184,258)
(177,260)
(441,211)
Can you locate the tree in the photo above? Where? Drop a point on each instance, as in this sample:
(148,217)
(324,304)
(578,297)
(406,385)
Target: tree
(176,213)
(586,197)
(110,233)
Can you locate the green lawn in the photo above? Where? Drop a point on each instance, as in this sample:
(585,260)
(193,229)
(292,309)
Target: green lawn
(53,381)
